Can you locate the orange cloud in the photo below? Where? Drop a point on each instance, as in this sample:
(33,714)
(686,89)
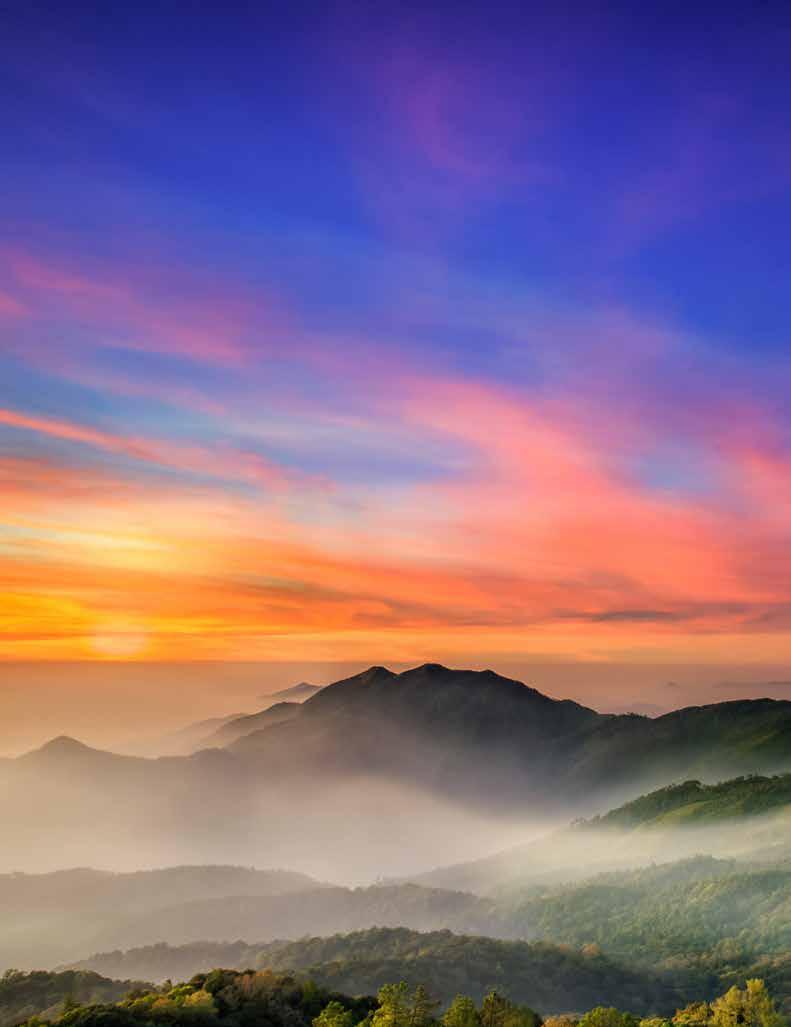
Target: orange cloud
(538,540)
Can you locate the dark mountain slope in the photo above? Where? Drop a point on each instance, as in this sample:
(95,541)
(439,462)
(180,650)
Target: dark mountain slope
(232,730)
(470,735)
(368,752)
(495,742)
(296,693)
(475,701)
(711,742)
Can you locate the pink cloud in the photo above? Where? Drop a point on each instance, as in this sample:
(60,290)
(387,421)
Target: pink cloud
(221,462)
(126,307)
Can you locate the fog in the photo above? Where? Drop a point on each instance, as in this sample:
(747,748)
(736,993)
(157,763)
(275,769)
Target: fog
(371,830)
(397,814)
(123,815)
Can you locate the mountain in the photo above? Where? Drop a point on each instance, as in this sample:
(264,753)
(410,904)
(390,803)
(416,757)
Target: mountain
(296,693)
(49,918)
(467,760)
(43,994)
(745,817)
(187,739)
(547,977)
(232,730)
(470,735)
(501,744)
(689,910)
(692,803)
(323,910)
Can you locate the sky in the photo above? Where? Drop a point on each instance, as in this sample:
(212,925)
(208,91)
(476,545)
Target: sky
(340,334)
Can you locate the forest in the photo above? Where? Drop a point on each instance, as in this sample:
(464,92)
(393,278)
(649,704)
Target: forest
(227,998)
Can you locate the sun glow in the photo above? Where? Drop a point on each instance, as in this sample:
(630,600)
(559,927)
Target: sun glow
(120,639)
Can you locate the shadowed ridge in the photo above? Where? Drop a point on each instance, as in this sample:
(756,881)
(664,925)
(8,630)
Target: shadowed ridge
(469,705)
(232,730)
(337,696)
(64,752)
(62,746)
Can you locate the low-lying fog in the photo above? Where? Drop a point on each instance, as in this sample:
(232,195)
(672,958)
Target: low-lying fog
(60,918)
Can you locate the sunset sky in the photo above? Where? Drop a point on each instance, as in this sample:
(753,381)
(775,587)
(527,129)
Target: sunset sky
(367,333)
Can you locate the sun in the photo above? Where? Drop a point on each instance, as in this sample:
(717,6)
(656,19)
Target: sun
(120,639)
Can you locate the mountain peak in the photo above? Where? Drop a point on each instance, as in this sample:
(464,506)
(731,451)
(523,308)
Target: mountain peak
(432,696)
(59,748)
(63,743)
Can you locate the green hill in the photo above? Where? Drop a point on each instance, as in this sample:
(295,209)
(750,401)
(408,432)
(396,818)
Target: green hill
(41,993)
(694,803)
(662,912)
(549,977)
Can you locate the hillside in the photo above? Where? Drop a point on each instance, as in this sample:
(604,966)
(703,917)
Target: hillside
(40,993)
(498,742)
(548,977)
(474,754)
(654,913)
(232,730)
(295,693)
(49,918)
(678,821)
(693,803)
(186,740)
(321,911)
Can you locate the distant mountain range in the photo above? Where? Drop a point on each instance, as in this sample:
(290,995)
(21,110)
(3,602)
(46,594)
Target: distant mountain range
(232,730)
(364,755)
(48,918)
(552,977)
(296,693)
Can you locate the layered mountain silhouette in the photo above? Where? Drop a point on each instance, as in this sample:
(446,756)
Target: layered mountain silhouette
(48,918)
(484,738)
(400,749)
(296,693)
(232,730)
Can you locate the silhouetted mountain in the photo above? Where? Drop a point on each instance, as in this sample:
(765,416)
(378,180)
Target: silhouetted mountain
(232,730)
(366,755)
(296,693)
(187,739)
(467,735)
(497,742)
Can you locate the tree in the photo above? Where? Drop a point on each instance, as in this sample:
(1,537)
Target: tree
(423,1008)
(334,1015)
(461,1013)
(494,1009)
(608,1016)
(394,1010)
(696,1014)
(497,1011)
(750,1007)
